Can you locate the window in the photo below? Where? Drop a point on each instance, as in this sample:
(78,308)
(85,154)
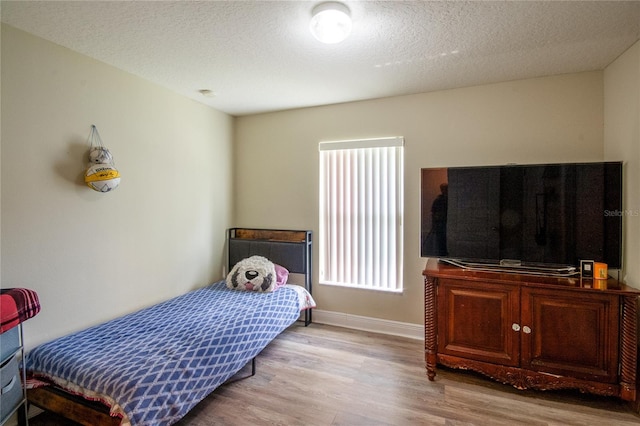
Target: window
(361,213)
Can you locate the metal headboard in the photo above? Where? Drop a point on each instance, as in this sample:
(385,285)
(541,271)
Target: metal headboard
(290,249)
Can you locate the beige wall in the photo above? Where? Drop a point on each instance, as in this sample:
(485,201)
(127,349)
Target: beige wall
(93,256)
(622,141)
(533,121)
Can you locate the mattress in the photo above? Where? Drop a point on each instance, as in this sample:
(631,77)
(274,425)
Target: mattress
(156,364)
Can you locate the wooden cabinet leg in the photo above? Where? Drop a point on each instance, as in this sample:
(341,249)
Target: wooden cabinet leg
(430,327)
(629,348)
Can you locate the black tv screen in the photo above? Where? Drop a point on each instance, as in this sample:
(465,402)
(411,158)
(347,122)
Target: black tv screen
(548,214)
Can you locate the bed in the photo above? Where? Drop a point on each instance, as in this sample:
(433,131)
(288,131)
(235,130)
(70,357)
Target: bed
(152,366)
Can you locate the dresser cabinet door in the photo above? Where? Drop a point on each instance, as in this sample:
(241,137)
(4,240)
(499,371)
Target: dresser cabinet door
(479,321)
(570,334)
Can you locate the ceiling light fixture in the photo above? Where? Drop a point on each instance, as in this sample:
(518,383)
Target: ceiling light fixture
(330,22)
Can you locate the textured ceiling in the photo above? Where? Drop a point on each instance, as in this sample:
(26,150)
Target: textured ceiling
(259,56)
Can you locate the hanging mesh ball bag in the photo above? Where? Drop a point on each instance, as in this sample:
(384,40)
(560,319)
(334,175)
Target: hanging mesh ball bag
(101,174)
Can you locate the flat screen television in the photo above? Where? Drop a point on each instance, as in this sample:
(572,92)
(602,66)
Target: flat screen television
(547,215)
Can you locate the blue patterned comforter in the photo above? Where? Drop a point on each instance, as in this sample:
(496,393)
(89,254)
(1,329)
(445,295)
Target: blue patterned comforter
(161,361)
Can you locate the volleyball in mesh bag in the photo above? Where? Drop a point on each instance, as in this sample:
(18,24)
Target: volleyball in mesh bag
(102,177)
(101,174)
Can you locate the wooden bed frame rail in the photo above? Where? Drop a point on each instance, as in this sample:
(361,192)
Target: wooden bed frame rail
(81,410)
(72,407)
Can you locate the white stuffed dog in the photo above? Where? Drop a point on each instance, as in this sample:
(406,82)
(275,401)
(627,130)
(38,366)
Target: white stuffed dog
(255,273)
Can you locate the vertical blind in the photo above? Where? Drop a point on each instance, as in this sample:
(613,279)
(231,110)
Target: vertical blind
(361,213)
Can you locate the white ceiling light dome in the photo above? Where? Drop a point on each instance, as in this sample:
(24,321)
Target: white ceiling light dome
(330,22)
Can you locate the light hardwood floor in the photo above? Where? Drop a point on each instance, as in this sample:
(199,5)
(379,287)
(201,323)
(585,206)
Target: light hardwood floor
(323,375)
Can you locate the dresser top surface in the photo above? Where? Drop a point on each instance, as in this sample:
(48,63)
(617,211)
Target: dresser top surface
(440,270)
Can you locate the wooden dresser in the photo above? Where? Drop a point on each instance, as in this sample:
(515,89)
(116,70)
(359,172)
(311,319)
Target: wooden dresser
(533,331)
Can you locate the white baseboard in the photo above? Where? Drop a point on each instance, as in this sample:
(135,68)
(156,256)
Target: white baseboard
(375,325)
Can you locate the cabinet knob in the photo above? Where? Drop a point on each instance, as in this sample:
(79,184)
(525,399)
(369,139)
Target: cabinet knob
(515,327)
(526,330)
